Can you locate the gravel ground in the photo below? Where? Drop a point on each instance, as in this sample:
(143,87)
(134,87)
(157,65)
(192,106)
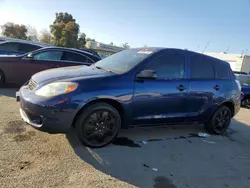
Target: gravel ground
(172,157)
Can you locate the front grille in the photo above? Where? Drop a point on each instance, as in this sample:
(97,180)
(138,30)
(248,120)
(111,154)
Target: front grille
(32,84)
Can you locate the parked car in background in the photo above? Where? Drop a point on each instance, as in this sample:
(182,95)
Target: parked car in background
(19,69)
(239,72)
(151,86)
(17,48)
(245,89)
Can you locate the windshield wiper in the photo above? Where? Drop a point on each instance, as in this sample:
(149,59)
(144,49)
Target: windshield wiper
(103,69)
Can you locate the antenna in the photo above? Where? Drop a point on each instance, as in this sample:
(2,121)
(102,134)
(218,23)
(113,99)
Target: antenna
(206,46)
(228,49)
(242,53)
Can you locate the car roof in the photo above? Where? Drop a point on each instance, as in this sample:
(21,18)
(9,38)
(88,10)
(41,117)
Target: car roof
(158,49)
(30,43)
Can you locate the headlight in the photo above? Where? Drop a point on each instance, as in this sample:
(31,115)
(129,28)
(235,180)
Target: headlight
(56,88)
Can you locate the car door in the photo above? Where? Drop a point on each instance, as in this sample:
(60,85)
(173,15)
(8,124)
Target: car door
(162,99)
(203,86)
(38,61)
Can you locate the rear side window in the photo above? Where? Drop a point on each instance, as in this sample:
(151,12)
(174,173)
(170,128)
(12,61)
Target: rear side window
(70,56)
(222,70)
(12,46)
(28,47)
(201,68)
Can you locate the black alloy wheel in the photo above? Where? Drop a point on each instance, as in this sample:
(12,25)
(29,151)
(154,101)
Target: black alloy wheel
(1,78)
(98,125)
(245,103)
(220,121)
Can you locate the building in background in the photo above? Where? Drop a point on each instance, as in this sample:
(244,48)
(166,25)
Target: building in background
(238,62)
(103,49)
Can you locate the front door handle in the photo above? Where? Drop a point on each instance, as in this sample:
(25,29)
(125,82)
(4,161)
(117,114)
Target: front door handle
(216,87)
(181,88)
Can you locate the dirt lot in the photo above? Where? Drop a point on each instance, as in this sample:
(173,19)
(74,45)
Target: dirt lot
(30,158)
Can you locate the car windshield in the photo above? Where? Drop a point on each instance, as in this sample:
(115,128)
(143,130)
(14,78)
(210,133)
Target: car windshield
(123,61)
(244,80)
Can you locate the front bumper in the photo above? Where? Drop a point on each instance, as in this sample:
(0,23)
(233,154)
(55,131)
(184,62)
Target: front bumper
(49,116)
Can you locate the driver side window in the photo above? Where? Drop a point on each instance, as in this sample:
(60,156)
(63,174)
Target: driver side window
(168,66)
(48,55)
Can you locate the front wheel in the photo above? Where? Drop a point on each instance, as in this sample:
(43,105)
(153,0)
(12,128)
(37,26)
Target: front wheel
(98,125)
(220,121)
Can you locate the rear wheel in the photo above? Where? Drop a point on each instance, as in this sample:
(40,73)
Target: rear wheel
(2,78)
(245,103)
(220,121)
(98,125)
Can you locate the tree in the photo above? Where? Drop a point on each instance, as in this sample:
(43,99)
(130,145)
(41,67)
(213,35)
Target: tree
(125,45)
(111,43)
(89,39)
(45,36)
(81,40)
(14,30)
(32,33)
(64,30)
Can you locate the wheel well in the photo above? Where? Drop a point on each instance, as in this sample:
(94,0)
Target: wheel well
(230,105)
(247,96)
(111,102)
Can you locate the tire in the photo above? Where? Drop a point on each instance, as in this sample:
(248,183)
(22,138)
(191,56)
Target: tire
(219,121)
(96,122)
(2,79)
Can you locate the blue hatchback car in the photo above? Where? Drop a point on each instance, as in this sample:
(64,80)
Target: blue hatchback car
(143,86)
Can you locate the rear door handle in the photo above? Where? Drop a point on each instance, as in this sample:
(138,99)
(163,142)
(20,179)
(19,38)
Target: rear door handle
(180,88)
(216,87)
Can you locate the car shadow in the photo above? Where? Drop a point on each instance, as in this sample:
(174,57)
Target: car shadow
(161,156)
(9,91)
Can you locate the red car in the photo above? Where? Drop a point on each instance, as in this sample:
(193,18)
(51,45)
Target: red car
(18,69)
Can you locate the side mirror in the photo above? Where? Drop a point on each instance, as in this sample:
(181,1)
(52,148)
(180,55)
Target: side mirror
(29,56)
(147,74)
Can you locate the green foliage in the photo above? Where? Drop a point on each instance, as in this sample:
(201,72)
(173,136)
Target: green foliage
(45,36)
(64,30)
(14,30)
(81,41)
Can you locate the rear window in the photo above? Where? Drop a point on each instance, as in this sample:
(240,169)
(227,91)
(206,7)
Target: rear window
(10,46)
(201,68)
(28,47)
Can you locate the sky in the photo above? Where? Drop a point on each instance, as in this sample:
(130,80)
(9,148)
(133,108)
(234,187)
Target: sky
(213,25)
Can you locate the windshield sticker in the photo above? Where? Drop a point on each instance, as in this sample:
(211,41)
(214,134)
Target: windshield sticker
(145,52)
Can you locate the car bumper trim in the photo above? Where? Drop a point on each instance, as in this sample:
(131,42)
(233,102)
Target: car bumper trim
(27,120)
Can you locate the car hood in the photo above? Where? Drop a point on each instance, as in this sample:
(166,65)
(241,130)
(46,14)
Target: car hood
(72,72)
